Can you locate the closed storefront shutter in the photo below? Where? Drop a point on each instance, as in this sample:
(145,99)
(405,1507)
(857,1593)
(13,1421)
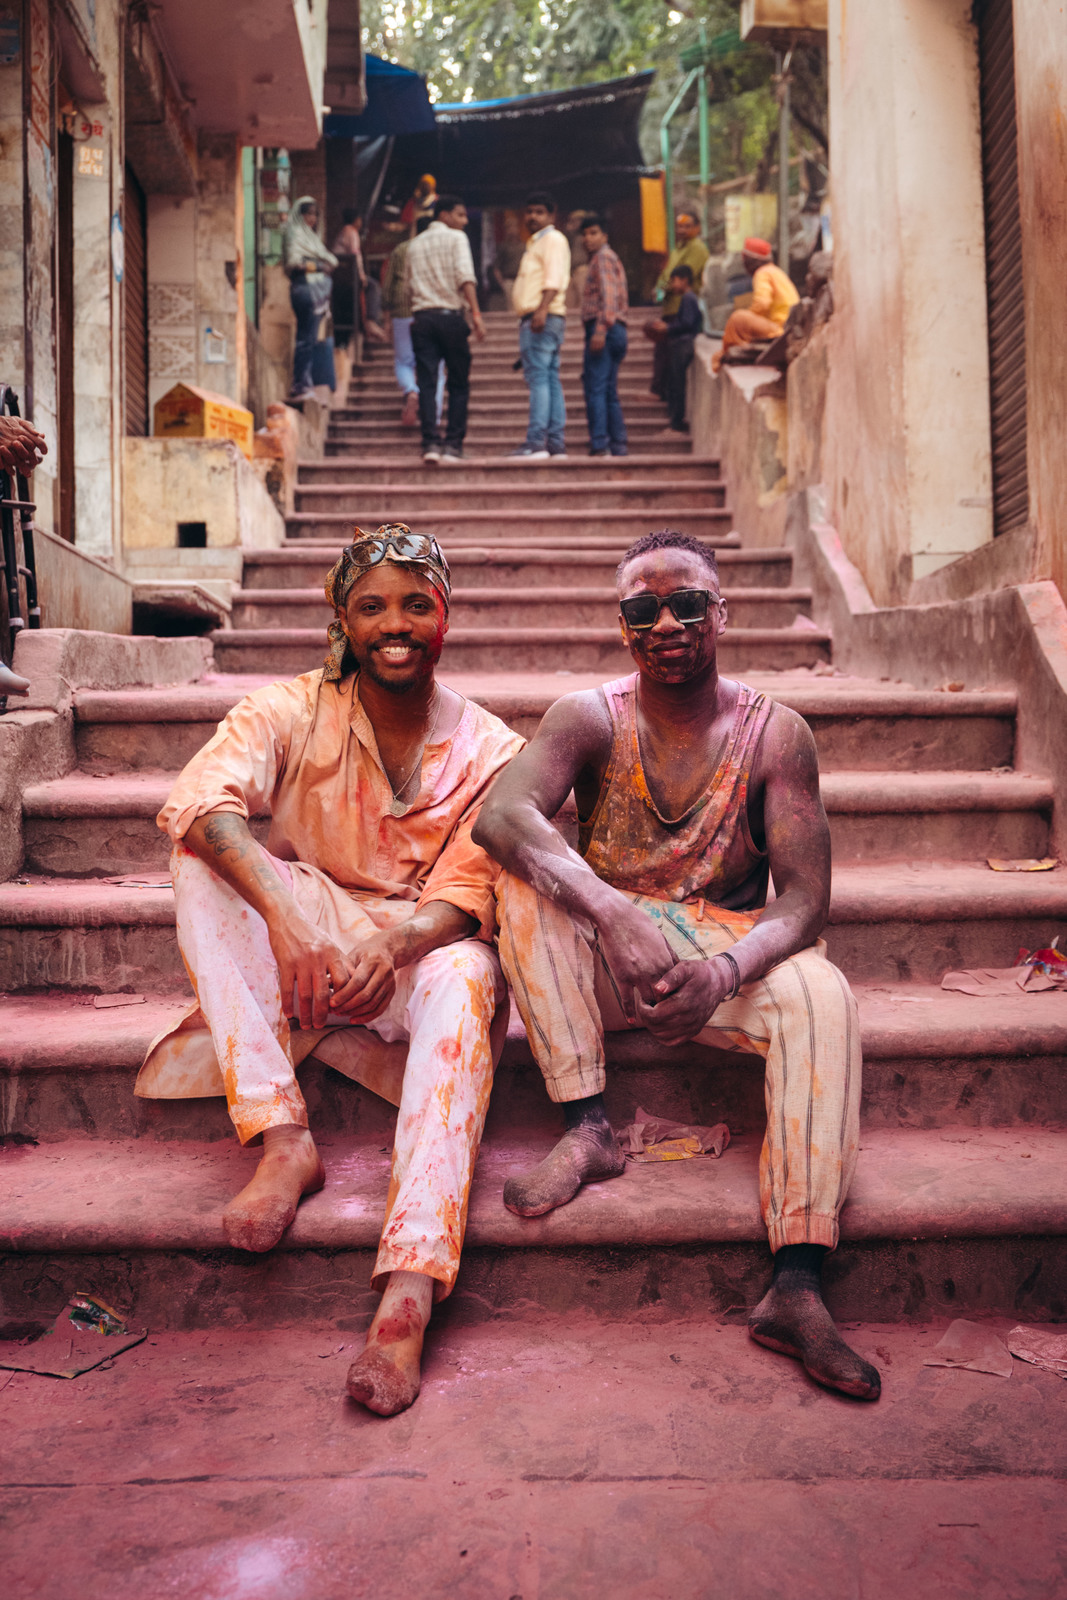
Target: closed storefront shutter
(1004,265)
(135,304)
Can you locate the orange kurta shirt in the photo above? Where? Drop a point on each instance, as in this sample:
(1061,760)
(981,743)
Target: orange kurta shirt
(305,751)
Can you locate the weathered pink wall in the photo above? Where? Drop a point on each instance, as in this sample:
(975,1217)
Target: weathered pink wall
(1041,97)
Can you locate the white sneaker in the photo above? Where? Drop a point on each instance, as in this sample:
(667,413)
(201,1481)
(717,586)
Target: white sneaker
(432,453)
(524,453)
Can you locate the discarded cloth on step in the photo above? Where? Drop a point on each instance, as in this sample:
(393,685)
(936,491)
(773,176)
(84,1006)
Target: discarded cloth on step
(85,1335)
(1033,976)
(970,1345)
(649,1138)
(1046,1350)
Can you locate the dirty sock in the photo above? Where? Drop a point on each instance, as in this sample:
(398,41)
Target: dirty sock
(792,1318)
(587,1153)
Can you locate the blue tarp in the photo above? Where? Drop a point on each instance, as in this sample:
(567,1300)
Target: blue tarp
(397,103)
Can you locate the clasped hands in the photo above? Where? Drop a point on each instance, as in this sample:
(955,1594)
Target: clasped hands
(326,984)
(673,999)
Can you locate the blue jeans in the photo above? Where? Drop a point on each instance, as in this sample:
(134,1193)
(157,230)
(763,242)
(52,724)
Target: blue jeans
(540,368)
(404,362)
(600,380)
(302,301)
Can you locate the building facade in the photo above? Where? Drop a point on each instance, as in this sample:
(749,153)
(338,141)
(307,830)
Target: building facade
(943,446)
(123,175)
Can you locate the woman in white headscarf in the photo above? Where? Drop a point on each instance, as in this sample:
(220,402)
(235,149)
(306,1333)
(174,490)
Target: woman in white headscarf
(308,264)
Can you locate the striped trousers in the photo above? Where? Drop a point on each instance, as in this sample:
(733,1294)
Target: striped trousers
(800,1017)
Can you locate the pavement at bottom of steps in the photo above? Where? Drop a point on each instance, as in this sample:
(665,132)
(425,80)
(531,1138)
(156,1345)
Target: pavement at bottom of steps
(548,1457)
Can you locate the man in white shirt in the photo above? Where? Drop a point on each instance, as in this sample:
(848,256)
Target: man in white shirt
(440,275)
(540,301)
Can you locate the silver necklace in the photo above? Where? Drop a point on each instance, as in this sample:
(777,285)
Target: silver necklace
(398,806)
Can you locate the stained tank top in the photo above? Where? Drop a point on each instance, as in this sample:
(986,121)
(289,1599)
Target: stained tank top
(707,853)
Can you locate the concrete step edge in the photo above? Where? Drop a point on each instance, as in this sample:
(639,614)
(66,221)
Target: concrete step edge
(858,793)
(869,892)
(909,1184)
(205,703)
(249,638)
(65,1031)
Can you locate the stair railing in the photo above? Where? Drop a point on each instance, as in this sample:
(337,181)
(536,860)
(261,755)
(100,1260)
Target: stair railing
(15,501)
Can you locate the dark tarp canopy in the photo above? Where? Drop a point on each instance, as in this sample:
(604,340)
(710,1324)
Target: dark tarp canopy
(582,144)
(397,103)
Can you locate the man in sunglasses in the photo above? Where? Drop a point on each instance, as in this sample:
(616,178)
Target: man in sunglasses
(362,933)
(691,790)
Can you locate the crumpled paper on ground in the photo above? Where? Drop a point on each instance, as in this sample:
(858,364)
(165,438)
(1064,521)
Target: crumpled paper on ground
(970,1345)
(649,1138)
(86,1334)
(1002,982)
(1046,1350)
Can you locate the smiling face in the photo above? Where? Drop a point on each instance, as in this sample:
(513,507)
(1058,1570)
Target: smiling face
(672,651)
(395,622)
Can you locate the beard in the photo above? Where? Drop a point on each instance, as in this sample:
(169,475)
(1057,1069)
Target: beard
(367,664)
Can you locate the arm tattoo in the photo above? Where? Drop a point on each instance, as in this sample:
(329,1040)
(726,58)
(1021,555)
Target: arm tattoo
(224,831)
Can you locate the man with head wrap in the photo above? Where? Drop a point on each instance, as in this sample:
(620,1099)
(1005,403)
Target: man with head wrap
(363,933)
(308,265)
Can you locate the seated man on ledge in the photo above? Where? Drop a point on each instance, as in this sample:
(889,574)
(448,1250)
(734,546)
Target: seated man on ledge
(774,294)
(690,789)
(371,907)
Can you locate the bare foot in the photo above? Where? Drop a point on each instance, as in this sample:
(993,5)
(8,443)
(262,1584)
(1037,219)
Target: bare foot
(386,1376)
(794,1320)
(584,1155)
(289,1169)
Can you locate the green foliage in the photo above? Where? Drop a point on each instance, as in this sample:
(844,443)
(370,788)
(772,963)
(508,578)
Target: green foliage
(488,49)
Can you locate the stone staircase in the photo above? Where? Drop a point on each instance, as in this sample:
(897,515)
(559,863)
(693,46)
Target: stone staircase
(959,1202)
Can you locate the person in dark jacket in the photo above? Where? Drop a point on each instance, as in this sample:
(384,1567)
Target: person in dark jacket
(680,334)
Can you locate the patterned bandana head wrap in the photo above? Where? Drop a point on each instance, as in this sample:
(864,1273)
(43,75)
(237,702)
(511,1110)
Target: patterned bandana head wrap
(360,557)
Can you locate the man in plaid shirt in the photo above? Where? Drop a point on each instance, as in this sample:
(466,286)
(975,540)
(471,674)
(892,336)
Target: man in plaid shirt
(605,307)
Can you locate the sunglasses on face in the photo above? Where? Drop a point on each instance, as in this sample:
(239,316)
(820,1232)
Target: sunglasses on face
(687,606)
(409,546)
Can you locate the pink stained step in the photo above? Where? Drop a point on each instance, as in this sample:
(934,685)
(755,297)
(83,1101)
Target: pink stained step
(112,1196)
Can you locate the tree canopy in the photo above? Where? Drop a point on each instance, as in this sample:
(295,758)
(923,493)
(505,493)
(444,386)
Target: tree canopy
(489,49)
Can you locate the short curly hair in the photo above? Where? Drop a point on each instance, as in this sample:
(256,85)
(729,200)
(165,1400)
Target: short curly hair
(669,539)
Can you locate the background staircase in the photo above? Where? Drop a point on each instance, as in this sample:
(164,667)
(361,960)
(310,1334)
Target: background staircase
(959,1202)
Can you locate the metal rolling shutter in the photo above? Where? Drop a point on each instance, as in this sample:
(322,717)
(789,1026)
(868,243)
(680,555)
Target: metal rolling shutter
(135,305)
(1004,264)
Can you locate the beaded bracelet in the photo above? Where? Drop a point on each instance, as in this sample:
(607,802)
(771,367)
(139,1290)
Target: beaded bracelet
(725,955)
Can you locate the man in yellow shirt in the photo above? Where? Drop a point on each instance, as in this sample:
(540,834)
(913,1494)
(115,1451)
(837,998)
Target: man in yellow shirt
(539,299)
(690,251)
(773,296)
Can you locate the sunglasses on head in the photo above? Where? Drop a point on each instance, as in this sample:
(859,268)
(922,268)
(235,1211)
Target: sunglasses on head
(687,606)
(409,546)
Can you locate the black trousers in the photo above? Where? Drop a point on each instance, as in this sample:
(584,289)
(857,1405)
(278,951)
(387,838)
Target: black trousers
(438,336)
(679,356)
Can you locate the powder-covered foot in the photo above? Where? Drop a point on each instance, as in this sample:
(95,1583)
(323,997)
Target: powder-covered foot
(795,1321)
(584,1155)
(387,1375)
(289,1169)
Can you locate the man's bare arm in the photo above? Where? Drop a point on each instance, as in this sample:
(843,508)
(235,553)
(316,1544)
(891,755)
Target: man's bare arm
(376,960)
(514,827)
(308,961)
(798,847)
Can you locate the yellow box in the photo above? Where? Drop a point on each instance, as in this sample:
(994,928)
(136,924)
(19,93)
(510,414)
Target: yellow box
(765,21)
(186,412)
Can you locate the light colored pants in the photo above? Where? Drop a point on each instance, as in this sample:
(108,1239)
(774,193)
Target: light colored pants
(800,1017)
(404,363)
(744,327)
(443,1006)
